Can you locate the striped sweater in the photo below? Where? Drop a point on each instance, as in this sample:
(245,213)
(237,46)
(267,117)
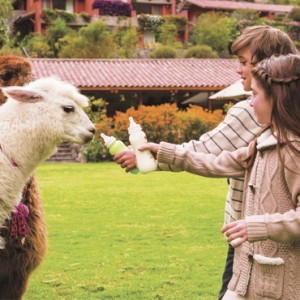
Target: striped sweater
(237,130)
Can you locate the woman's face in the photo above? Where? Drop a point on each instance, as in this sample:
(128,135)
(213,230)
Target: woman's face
(245,66)
(261,104)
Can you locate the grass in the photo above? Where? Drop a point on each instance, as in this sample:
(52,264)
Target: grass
(114,235)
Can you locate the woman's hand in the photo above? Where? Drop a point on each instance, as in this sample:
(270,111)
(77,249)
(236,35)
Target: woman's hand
(236,233)
(153,147)
(126,159)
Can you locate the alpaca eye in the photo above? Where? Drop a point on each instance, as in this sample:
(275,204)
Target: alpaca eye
(68,108)
(7,76)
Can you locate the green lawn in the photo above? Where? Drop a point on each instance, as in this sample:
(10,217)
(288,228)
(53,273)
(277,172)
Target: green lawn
(114,235)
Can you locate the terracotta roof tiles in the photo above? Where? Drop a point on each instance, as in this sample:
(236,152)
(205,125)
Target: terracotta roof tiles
(233,5)
(140,73)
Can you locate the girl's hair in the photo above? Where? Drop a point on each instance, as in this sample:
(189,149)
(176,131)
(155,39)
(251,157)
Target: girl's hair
(263,42)
(279,76)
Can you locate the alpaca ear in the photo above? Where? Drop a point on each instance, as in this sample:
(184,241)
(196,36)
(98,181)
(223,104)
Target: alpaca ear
(22,95)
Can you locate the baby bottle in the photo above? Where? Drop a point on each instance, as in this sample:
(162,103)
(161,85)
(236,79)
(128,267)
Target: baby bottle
(145,160)
(115,146)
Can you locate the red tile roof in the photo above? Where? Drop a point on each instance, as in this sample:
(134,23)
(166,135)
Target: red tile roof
(106,74)
(232,5)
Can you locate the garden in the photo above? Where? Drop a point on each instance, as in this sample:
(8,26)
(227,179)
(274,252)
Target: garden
(114,235)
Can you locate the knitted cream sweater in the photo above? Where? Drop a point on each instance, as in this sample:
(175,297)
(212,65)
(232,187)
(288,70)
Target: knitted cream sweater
(267,266)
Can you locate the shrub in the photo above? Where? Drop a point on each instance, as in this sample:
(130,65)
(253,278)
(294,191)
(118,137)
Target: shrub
(49,15)
(201,51)
(7,50)
(215,30)
(160,123)
(164,52)
(96,151)
(37,45)
(168,35)
(92,41)
(149,22)
(295,14)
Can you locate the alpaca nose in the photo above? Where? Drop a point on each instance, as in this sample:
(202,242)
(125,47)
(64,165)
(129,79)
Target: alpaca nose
(92,130)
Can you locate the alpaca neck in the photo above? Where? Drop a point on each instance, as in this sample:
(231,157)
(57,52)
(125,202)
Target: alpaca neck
(28,142)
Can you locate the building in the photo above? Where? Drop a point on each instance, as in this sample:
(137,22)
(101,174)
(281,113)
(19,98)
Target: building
(28,13)
(192,9)
(124,83)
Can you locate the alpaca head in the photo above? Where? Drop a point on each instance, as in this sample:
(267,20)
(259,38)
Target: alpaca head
(14,70)
(54,107)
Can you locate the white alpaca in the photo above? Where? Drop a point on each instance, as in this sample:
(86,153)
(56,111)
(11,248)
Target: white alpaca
(33,121)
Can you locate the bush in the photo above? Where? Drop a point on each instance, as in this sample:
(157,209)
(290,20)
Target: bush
(96,151)
(50,15)
(215,30)
(164,52)
(160,123)
(201,51)
(295,14)
(7,50)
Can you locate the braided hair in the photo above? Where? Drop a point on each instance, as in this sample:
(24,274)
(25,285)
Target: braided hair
(279,76)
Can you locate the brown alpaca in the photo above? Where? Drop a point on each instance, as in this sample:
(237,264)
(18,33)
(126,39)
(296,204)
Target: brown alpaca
(22,253)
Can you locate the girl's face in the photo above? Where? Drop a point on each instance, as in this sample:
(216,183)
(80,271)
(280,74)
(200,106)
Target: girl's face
(245,66)
(261,104)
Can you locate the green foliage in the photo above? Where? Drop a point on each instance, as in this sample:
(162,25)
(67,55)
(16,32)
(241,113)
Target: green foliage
(149,22)
(66,16)
(295,14)
(96,152)
(6,11)
(50,15)
(227,106)
(201,51)
(55,33)
(168,35)
(216,31)
(114,235)
(179,22)
(92,41)
(246,14)
(95,110)
(164,52)
(37,45)
(128,43)
(7,50)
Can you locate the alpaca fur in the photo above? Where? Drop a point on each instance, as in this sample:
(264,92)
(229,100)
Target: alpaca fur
(33,121)
(19,259)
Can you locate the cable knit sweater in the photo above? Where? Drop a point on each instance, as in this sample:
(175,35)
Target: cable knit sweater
(267,265)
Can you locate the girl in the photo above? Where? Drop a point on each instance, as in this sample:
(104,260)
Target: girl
(267,262)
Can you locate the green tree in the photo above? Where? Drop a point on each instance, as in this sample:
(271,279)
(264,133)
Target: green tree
(93,41)
(6,11)
(215,30)
(168,34)
(55,33)
(128,43)
(37,45)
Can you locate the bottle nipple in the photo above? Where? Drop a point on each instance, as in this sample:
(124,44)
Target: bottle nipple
(107,139)
(133,126)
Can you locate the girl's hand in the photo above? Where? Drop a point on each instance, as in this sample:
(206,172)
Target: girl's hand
(150,146)
(236,233)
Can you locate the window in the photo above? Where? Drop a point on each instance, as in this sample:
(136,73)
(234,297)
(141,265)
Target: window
(156,10)
(46,3)
(59,4)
